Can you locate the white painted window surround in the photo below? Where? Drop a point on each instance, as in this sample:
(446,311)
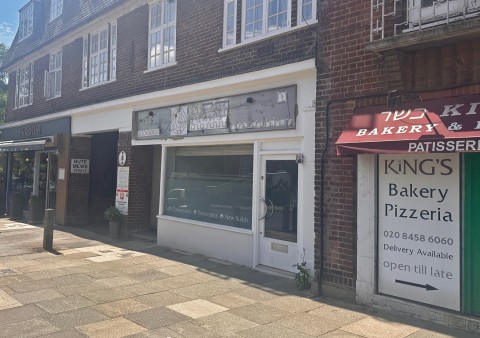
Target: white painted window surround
(263,18)
(99,56)
(25,27)
(53,77)
(56,8)
(162,34)
(24,86)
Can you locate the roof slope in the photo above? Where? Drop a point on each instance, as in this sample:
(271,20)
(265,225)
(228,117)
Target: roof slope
(75,14)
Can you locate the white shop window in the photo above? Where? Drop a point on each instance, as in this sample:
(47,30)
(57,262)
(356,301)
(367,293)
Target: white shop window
(53,77)
(24,86)
(25,27)
(211,184)
(162,34)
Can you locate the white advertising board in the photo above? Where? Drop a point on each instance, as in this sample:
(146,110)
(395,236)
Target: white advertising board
(121,198)
(419,228)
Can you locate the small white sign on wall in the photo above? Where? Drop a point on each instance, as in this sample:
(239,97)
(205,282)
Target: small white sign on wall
(419,228)
(80,166)
(121,198)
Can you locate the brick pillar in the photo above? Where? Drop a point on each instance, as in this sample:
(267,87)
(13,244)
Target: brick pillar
(140,162)
(78,184)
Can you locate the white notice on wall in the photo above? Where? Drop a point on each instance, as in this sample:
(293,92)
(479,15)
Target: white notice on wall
(419,228)
(121,198)
(80,166)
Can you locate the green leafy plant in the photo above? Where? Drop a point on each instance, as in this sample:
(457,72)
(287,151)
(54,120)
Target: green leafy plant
(112,214)
(302,277)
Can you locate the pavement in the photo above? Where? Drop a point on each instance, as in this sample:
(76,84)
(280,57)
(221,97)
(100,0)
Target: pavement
(91,286)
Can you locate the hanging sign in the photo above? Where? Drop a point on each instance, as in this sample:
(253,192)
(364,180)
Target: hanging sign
(419,228)
(121,197)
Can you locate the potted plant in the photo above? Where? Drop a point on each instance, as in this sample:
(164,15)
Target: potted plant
(36,209)
(114,217)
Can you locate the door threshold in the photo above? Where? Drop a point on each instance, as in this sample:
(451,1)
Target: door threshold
(275,271)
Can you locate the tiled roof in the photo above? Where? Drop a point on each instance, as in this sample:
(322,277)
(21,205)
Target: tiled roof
(75,14)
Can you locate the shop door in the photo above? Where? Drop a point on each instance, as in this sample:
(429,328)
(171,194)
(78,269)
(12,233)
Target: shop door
(278,208)
(472,233)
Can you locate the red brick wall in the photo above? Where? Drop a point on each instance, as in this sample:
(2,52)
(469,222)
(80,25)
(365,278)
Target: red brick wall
(199,38)
(347,70)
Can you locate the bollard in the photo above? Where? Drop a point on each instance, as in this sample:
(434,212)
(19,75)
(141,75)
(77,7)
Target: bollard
(48,229)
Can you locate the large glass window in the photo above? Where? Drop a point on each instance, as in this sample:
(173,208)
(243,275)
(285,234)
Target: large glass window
(211,184)
(56,7)
(24,86)
(100,56)
(25,27)
(162,35)
(53,77)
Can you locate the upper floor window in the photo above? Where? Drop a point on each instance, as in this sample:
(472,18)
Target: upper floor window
(53,77)
(25,27)
(263,18)
(162,33)
(24,86)
(306,11)
(100,56)
(56,7)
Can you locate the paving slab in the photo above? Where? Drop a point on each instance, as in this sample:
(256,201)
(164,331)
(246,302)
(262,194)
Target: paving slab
(309,324)
(231,300)
(29,328)
(121,307)
(74,318)
(197,308)
(162,332)
(117,327)
(160,299)
(7,301)
(20,313)
(107,295)
(189,329)
(65,304)
(346,316)
(260,313)
(225,323)
(375,327)
(37,296)
(271,330)
(156,317)
(294,304)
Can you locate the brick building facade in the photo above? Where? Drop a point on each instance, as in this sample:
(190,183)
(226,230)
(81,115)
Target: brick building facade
(396,57)
(129,75)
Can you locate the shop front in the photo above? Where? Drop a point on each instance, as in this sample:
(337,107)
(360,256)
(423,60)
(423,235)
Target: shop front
(29,155)
(236,173)
(417,219)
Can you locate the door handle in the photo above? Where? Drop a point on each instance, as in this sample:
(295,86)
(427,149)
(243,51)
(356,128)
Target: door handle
(271,204)
(266,208)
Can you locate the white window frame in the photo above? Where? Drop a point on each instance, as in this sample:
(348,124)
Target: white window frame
(265,32)
(99,56)
(53,77)
(56,9)
(225,22)
(300,18)
(24,86)
(25,22)
(161,29)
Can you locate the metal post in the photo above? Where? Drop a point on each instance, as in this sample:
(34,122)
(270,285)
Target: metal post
(48,229)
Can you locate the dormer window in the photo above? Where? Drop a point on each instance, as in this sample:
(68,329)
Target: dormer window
(25,28)
(56,7)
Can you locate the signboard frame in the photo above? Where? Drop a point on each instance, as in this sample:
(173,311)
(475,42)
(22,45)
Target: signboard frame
(415,267)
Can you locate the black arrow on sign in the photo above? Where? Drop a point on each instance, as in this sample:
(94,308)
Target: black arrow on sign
(427,287)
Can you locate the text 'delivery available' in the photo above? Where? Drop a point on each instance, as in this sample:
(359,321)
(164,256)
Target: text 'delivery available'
(419,228)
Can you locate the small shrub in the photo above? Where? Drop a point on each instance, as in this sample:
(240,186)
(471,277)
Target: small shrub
(302,277)
(112,214)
